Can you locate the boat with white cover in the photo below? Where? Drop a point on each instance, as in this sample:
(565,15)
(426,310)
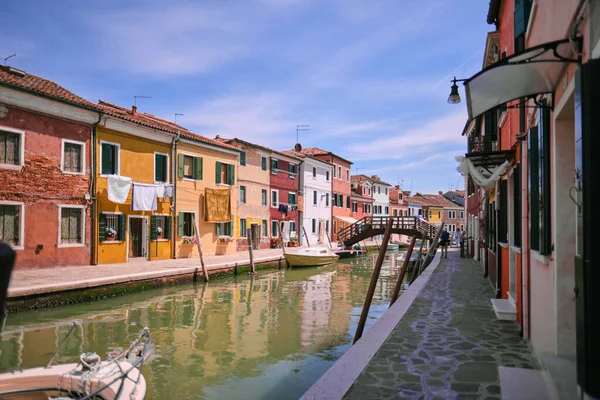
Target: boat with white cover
(311,257)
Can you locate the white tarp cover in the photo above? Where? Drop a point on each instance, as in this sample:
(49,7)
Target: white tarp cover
(511,79)
(481,177)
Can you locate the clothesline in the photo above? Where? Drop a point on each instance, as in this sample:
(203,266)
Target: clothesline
(143,196)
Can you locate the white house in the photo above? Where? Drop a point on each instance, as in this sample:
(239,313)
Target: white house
(381,203)
(316,187)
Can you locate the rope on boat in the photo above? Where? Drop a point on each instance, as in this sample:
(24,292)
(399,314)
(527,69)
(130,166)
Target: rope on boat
(90,367)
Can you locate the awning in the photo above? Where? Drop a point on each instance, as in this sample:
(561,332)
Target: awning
(349,220)
(532,72)
(490,159)
(485,169)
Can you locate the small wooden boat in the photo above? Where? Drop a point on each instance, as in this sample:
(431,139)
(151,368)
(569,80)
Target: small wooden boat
(349,253)
(311,256)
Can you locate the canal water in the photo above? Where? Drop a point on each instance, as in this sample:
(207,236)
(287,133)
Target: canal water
(265,337)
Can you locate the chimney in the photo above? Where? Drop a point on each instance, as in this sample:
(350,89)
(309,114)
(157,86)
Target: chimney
(441,193)
(133,110)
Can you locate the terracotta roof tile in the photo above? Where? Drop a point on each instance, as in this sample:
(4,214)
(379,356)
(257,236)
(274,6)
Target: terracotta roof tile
(258,146)
(431,200)
(359,179)
(376,179)
(315,151)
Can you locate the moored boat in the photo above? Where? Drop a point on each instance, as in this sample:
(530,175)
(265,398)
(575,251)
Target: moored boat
(311,256)
(349,253)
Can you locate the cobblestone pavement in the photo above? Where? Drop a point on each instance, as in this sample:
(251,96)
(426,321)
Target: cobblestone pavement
(449,343)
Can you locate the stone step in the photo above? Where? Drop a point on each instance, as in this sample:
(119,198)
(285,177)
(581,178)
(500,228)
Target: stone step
(504,309)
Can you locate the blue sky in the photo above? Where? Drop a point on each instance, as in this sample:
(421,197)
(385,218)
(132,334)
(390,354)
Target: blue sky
(371,77)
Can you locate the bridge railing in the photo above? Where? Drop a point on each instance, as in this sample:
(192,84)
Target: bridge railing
(379,223)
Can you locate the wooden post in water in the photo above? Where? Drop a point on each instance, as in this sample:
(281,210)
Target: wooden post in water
(199,245)
(373,284)
(402,271)
(249,233)
(418,262)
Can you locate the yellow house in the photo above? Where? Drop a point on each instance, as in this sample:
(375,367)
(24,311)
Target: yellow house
(132,145)
(205,167)
(435,214)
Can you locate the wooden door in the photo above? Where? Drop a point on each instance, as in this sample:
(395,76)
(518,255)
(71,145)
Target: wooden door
(135,238)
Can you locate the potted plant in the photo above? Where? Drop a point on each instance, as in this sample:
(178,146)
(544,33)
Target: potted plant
(111,234)
(275,242)
(159,232)
(189,239)
(293,243)
(224,239)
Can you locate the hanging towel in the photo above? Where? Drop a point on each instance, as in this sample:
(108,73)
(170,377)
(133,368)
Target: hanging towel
(143,197)
(285,231)
(118,188)
(217,205)
(160,191)
(280,208)
(168,192)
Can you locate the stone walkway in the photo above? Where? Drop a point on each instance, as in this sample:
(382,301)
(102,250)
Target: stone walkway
(448,345)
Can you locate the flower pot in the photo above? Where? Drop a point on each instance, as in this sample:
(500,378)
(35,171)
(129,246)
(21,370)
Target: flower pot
(109,239)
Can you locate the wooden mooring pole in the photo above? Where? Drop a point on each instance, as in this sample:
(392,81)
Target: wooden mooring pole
(250,250)
(374,278)
(402,271)
(420,259)
(199,245)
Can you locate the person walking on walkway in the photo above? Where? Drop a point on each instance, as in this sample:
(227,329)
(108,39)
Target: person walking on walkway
(444,241)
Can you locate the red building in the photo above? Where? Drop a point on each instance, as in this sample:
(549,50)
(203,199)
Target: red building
(362,196)
(398,201)
(45,171)
(285,201)
(341,189)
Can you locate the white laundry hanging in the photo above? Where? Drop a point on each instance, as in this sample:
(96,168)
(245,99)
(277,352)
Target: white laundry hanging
(143,197)
(118,188)
(480,176)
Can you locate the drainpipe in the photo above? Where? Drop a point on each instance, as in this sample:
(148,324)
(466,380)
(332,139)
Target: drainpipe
(173,200)
(93,247)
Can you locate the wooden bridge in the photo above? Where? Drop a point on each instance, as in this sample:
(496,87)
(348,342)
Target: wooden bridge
(372,226)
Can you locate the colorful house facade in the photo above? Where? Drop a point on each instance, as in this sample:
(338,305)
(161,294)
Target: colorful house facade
(284,196)
(315,184)
(46,171)
(381,197)
(341,189)
(362,196)
(536,221)
(253,210)
(398,201)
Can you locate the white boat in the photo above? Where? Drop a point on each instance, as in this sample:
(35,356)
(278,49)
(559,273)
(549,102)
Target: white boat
(311,256)
(117,378)
(393,246)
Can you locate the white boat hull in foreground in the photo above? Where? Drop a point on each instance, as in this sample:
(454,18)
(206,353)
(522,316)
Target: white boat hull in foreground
(311,257)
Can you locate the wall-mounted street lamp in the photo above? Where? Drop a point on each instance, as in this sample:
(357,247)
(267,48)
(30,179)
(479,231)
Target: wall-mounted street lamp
(454,97)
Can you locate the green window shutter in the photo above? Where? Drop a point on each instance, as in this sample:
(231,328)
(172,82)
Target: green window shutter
(180,165)
(180,225)
(229,228)
(168,223)
(102,227)
(198,168)
(193,222)
(153,235)
(159,168)
(105,168)
(533,158)
(231,174)
(218,172)
(218,227)
(122,229)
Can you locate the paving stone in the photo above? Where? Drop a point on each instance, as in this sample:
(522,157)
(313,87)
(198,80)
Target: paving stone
(449,343)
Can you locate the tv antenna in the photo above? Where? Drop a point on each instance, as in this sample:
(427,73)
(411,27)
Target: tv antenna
(139,97)
(300,128)
(9,57)
(176,114)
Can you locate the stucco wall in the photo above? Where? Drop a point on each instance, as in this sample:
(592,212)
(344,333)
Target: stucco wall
(381,198)
(136,160)
(284,183)
(319,184)
(190,198)
(41,186)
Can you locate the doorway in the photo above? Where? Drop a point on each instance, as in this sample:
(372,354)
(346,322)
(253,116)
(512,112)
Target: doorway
(138,237)
(255,236)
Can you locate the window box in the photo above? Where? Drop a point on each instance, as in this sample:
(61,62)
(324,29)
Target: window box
(225,239)
(189,240)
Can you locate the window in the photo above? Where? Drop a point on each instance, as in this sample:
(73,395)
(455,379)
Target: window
(364,190)
(314,225)
(111,227)
(11,147)
(160,227)
(327,226)
(503,212)
(189,167)
(263,163)
(225,173)
(11,224)
(242,158)
(71,225)
(517,205)
(161,167)
(439,214)
(314,172)
(109,158)
(364,208)
(347,201)
(292,169)
(274,198)
(420,211)
(369,191)
(224,229)
(274,165)
(291,198)
(395,213)
(327,176)
(334,226)
(378,189)
(386,191)
(243,194)
(451,214)
(462,214)
(369,209)
(243,227)
(274,228)
(265,228)
(334,171)
(292,226)
(326,199)
(348,175)
(340,172)
(73,157)
(399,196)
(430,214)
(263,196)
(334,198)
(354,207)
(315,197)
(387,210)
(186,224)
